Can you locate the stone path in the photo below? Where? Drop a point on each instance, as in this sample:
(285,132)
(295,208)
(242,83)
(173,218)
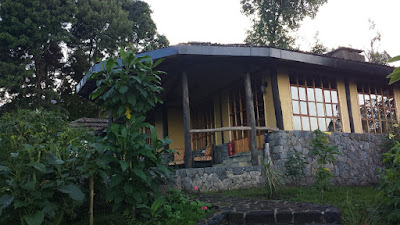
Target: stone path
(231,210)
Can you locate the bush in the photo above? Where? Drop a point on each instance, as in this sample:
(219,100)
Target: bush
(39,168)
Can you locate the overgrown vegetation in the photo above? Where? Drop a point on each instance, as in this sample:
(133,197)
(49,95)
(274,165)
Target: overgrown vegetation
(49,172)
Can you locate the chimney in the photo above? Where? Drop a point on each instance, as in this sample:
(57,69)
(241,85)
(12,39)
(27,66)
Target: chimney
(347,53)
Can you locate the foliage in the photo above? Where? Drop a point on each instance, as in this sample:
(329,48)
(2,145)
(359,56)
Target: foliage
(47,46)
(40,175)
(295,164)
(30,54)
(129,89)
(390,182)
(372,54)
(325,154)
(273,181)
(273,20)
(318,47)
(395,75)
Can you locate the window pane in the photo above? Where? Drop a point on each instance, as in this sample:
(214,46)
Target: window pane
(320,109)
(306,123)
(391,102)
(334,96)
(328,109)
(296,123)
(296,109)
(295,95)
(314,123)
(322,124)
(303,108)
(312,109)
(318,95)
(335,109)
(363,112)
(367,101)
(302,93)
(327,95)
(360,99)
(373,100)
(310,94)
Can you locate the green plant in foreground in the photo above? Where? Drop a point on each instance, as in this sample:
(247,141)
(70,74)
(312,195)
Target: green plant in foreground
(390,183)
(40,175)
(129,89)
(273,181)
(295,164)
(325,154)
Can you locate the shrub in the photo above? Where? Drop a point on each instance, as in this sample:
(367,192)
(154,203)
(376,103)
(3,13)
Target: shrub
(295,164)
(325,154)
(39,173)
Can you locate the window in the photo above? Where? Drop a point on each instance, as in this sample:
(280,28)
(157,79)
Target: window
(377,107)
(315,103)
(203,118)
(238,110)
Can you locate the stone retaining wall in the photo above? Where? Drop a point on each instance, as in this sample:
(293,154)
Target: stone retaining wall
(358,164)
(361,156)
(219,178)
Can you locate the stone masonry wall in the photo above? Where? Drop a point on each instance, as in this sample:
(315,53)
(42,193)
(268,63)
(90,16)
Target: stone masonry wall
(219,178)
(361,156)
(358,164)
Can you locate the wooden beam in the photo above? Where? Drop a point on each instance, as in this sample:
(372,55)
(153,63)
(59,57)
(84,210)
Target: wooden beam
(277,100)
(252,119)
(348,98)
(221,129)
(186,121)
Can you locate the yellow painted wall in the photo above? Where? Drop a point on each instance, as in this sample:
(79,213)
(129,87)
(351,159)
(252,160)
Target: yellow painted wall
(344,111)
(396,92)
(286,102)
(176,130)
(269,108)
(355,108)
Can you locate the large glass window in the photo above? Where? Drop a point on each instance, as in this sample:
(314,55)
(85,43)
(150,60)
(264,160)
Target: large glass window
(377,107)
(315,103)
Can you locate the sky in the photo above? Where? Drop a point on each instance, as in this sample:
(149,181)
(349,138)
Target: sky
(339,23)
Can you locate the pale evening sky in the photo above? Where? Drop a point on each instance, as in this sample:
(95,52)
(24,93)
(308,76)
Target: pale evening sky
(339,23)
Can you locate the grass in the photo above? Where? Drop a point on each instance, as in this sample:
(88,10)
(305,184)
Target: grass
(359,205)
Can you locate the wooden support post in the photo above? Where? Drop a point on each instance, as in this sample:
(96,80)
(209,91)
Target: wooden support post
(186,121)
(277,100)
(348,98)
(252,120)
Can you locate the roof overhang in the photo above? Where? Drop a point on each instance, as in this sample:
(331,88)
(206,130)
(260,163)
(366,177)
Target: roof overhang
(258,52)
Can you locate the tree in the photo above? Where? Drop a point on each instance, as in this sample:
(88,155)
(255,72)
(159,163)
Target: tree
(274,19)
(318,47)
(30,54)
(373,54)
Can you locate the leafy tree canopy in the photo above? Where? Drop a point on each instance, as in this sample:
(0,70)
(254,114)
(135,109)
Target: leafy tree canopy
(274,19)
(46,46)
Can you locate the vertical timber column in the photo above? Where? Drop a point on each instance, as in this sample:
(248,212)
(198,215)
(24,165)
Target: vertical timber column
(275,95)
(186,121)
(252,119)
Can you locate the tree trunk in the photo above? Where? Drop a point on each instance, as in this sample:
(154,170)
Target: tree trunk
(91,200)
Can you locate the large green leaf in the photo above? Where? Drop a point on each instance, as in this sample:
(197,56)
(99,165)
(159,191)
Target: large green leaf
(5,201)
(123,89)
(39,166)
(73,191)
(34,219)
(4,169)
(140,173)
(124,165)
(394,59)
